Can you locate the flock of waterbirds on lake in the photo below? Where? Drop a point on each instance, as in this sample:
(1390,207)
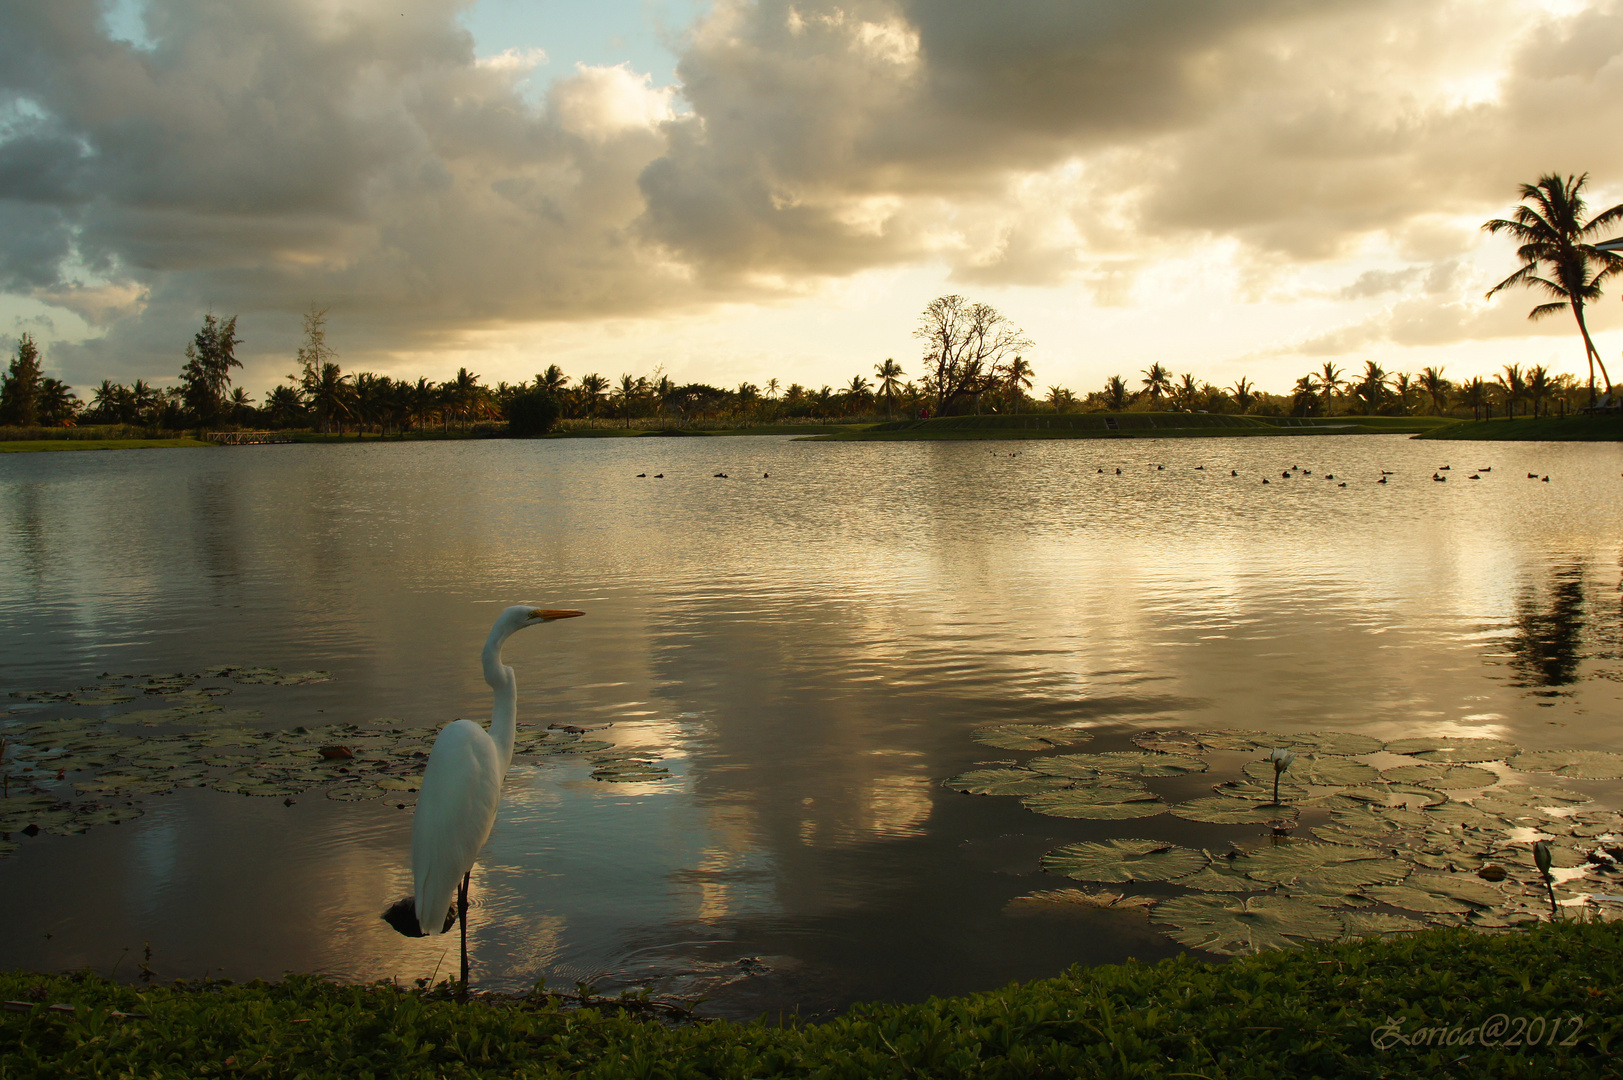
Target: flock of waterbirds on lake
(1294,472)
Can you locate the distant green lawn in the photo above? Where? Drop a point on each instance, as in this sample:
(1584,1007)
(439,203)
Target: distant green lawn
(1527,429)
(35,445)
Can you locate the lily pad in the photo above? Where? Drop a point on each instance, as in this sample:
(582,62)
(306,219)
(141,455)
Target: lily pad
(1220,876)
(1123,860)
(1316,772)
(1030,736)
(1573,764)
(1440,776)
(1004,782)
(1218,810)
(1125,763)
(1453,749)
(1200,742)
(1233,926)
(1073,901)
(1339,743)
(1286,862)
(1392,795)
(1098,801)
(1368,923)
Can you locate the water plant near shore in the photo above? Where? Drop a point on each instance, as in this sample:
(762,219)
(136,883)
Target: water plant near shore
(1430,842)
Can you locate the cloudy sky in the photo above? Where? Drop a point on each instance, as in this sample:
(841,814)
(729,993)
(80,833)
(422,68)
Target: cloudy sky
(758,189)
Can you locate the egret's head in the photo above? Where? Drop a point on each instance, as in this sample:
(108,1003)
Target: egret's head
(550,614)
(519,616)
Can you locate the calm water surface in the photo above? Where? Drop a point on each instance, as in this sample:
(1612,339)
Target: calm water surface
(808,652)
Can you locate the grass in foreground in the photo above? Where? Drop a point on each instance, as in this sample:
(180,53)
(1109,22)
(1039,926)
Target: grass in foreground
(33,445)
(1546,1002)
(1542,429)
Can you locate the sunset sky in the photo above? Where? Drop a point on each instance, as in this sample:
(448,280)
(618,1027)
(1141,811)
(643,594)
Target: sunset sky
(753,190)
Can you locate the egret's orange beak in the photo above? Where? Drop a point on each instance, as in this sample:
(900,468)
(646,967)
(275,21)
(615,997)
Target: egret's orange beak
(551,614)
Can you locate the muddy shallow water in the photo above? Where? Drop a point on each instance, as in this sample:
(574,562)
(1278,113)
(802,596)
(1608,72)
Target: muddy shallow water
(806,646)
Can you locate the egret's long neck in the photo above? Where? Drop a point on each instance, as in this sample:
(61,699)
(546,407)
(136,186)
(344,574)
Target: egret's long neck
(504,710)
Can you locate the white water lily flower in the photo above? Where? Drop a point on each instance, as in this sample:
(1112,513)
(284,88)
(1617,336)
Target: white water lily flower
(1281,759)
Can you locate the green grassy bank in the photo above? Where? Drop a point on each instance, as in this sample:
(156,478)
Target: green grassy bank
(1421,1005)
(1131,425)
(1528,429)
(23,446)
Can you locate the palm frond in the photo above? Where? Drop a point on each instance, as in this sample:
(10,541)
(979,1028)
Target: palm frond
(1548,309)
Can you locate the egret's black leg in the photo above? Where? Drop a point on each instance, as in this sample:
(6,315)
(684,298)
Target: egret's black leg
(462,914)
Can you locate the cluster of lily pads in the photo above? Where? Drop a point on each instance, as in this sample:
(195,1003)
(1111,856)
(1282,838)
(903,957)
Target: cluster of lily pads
(1402,834)
(66,774)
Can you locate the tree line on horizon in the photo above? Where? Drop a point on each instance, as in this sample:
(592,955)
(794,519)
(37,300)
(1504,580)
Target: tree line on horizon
(973,361)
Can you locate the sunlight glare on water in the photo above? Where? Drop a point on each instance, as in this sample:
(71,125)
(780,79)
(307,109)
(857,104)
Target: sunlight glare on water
(806,651)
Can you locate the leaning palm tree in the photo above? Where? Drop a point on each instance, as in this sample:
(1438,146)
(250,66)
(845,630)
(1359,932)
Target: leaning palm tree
(1435,387)
(890,374)
(1557,256)
(1157,381)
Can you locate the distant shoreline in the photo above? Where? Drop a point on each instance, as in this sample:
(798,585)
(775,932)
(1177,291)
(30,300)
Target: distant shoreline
(986,428)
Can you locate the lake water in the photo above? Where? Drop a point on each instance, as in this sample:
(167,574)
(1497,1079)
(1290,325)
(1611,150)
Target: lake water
(807,645)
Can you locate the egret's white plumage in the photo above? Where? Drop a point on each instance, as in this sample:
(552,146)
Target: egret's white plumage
(462,785)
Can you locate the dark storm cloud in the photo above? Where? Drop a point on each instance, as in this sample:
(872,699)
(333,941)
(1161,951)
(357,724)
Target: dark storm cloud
(264,154)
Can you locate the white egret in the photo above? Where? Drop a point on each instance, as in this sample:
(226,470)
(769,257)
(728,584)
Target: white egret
(462,785)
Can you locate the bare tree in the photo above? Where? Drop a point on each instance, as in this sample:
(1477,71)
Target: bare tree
(968,348)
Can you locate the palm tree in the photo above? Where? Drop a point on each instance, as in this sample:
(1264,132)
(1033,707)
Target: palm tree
(1116,394)
(1434,386)
(240,406)
(1557,257)
(1512,386)
(772,389)
(1244,394)
(1403,383)
(592,387)
(1018,380)
(463,392)
(1474,394)
(1306,393)
(552,380)
(327,389)
(1187,392)
(856,392)
(1538,386)
(1157,381)
(1330,381)
(1060,398)
(1371,389)
(890,375)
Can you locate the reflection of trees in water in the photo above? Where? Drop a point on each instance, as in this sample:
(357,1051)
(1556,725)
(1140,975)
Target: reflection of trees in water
(1546,644)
